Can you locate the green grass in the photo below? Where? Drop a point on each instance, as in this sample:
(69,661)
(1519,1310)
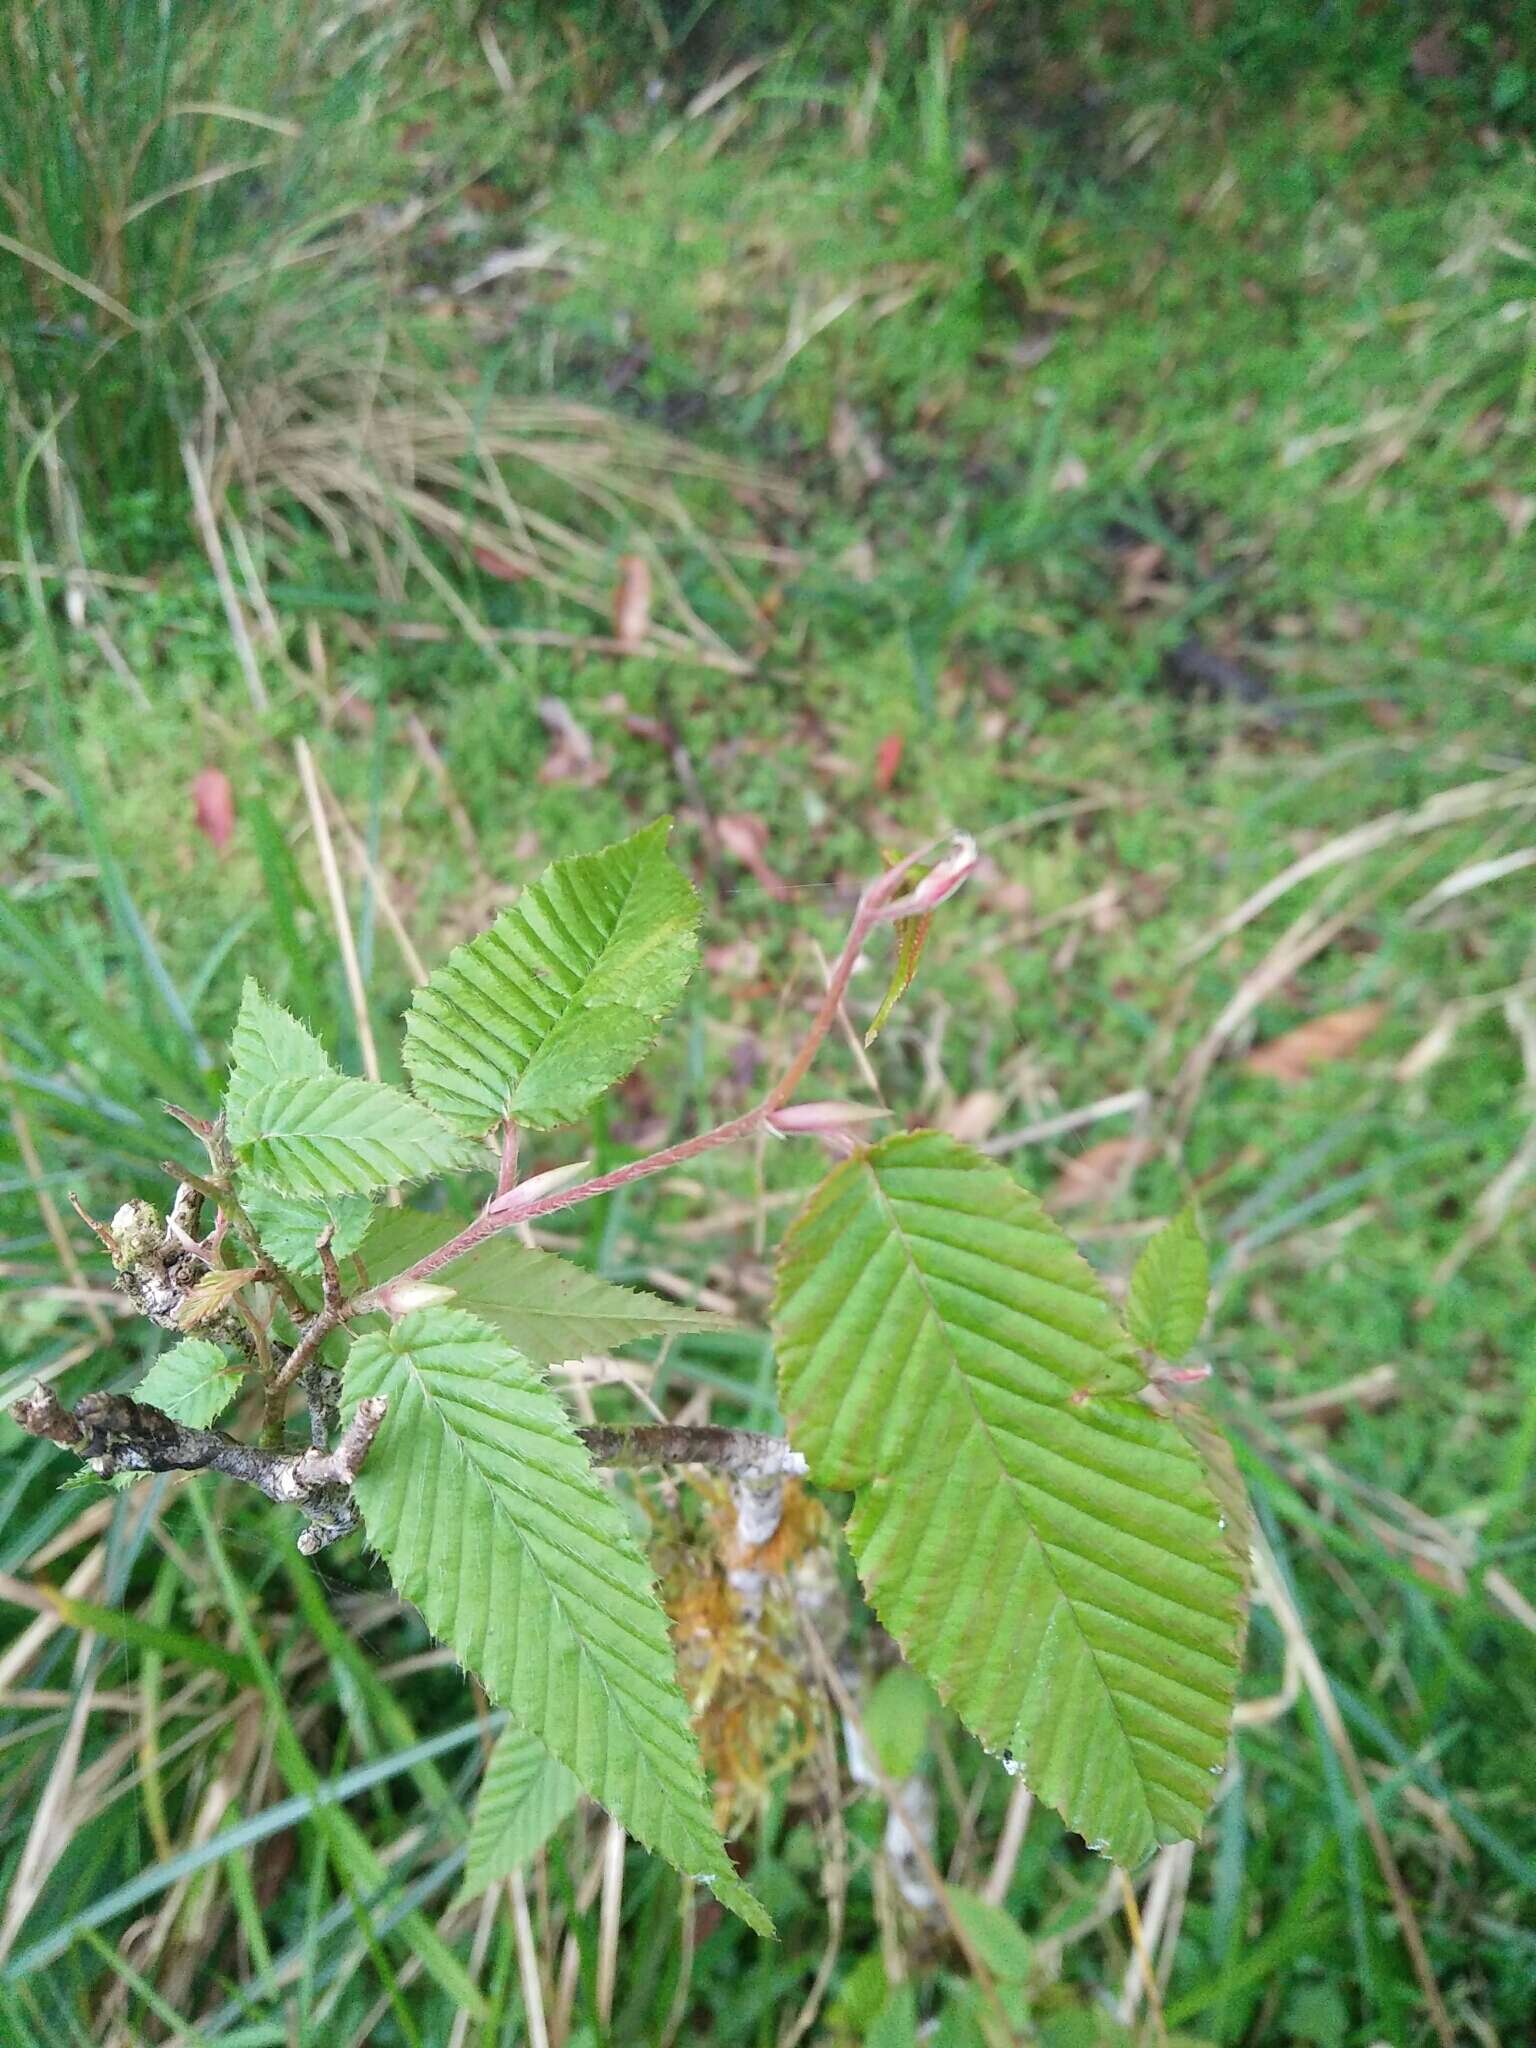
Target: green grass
(1255,297)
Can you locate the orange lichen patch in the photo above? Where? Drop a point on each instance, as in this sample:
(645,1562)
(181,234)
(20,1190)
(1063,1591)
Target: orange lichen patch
(804,1525)
(753,1706)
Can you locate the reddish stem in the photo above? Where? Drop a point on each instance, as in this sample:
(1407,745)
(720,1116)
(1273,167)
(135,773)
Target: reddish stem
(509,1213)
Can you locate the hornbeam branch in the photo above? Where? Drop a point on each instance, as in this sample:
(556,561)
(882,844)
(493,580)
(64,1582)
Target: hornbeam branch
(115,1433)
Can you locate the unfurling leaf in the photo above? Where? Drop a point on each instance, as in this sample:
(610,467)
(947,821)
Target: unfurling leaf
(564,994)
(213,1292)
(325,1134)
(1045,1547)
(1169,1286)
(524,1796)
(911,937)
(289,1228)
(484,1505)
(194,1382)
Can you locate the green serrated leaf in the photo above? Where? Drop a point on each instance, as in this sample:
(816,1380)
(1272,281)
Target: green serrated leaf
(288,1227)
(545,1307)
(1226,1482)
(994,1934)
(399,1237)
(564,994)
(326,1134)
(83,1476)
(524,1796)
(268,1045)
(481,1499)
(1043,1545)
(896,1717)
(550,1310)
(194,1382)
(1170,1285)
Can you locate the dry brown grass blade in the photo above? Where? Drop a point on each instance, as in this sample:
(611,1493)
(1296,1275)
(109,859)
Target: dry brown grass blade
(218,561)
(1141,1978)
(534,490)
(1499,1198)
(847,1706)
(1451,807)
(835,1875)
(1021,1803)
(612,1898)
(383,894)
(1271,1587)
(340,917)
(528,1963)
(50,1828)
(47,1208)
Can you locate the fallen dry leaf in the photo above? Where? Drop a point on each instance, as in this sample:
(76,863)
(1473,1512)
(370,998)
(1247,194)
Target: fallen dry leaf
(974,1116)
(1140,572)
(1097,1172)
(1434,54)
(745,839)
(572,757)
(632,601)
(1516,508)
(888,760)
(1293,1055)
(500,566)
(213,807)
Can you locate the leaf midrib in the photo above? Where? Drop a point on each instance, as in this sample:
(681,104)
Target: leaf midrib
(958,1372)
(461,1448)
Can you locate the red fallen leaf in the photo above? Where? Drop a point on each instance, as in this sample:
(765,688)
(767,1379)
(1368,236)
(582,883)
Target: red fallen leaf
(500,566)
(213,807)
(744,838)
(632,601)
(888,760)
(1292,1056)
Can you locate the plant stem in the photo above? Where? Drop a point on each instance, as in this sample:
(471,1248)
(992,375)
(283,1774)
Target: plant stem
(504,1214)
(743,1453)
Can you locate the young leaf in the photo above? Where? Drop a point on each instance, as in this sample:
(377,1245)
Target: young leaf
(524,1796)
(911,937)
(1169,1287)
(1044,1546)
(268,1045)
(325,1134)
(562,996)
(480,1498)
(550,1310)
(288,1227)
(194,1382)
(210,1295)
